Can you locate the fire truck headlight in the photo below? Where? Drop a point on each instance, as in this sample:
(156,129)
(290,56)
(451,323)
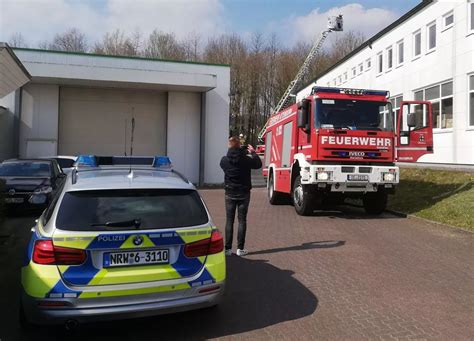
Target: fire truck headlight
(323,176)
(389,177)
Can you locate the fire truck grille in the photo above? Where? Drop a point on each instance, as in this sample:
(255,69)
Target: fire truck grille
(348,169)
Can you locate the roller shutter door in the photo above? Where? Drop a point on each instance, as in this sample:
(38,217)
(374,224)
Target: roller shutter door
(98,121)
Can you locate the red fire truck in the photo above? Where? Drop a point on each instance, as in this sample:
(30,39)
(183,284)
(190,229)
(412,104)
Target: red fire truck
(339,143)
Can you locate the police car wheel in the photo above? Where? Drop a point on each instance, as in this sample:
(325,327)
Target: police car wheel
(302,198)
(375,203)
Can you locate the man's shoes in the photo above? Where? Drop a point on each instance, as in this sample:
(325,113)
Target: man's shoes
(242,252)
(228,252)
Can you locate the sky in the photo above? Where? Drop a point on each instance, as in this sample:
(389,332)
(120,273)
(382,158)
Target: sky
(290,20)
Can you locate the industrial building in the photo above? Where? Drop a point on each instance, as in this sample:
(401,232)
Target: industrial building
(79,103)
(427,54)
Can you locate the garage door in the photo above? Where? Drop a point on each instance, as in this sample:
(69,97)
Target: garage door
(98,121)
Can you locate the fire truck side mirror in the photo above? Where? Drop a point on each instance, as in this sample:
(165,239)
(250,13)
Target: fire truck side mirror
(303,114)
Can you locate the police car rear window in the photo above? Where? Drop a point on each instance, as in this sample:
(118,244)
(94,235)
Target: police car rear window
(110,210)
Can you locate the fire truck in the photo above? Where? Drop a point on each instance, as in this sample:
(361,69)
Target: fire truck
(336,143)
(339,143)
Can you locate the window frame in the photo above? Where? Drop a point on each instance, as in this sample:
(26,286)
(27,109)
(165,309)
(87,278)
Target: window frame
(446,15)
(428,37)
(439,100)
(389,51)
(360,67)
(368,64)
(345,76)
(400,43)
(470,91)
(414,54)
(379,63)
(470,15)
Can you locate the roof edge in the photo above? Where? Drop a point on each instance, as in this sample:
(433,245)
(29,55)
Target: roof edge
(15,58)
(372,39)
(118,56)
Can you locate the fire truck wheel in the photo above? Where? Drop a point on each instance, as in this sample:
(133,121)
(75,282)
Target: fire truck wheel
(375,203)
(303,200)
(274,197)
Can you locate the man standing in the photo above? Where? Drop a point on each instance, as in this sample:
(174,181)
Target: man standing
(237,165)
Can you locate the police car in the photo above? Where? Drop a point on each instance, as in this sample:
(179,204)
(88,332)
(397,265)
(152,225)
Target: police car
(124,237)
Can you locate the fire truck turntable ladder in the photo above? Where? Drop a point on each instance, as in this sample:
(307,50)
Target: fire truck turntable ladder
(334,24)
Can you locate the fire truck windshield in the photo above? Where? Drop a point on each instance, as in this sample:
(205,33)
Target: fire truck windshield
(353,115)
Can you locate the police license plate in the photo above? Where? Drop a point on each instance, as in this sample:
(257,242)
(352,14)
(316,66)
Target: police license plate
(136,258)
(357,177)
(14,200)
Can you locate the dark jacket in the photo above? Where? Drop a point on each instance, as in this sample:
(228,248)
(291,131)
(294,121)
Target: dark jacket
(237,165)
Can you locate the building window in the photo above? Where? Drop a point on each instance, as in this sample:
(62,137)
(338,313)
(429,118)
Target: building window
(441,98)
(361,67)
(353,72)
(340,79)
(345,76)
(396,104)
(471,16)
(389,58)
(368,64)
(431,36)
(471,100)
(416,44)
(380,63)
(448,20)
(334,81)
(400,52)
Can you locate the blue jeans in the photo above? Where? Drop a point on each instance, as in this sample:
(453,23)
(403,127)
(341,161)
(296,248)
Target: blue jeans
(241,204)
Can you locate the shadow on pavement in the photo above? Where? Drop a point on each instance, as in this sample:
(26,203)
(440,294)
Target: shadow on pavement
(257,295)
(325,244)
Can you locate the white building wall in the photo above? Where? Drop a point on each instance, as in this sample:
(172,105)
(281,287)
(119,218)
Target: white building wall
(39,120)
(452,59)
(216,123)
(198,103)
(184,131)
(7,123)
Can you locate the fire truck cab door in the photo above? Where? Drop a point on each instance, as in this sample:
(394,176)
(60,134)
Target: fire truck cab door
(414,136)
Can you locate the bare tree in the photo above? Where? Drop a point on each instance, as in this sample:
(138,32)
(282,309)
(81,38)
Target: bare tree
(116,43)
(72,40)
(192,47)
(345,44)
(17,40)
(164,45)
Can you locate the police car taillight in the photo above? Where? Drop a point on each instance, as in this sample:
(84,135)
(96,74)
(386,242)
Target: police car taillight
(44,252)
(204,247)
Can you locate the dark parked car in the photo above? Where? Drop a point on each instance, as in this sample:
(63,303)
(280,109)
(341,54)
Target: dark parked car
(30,182)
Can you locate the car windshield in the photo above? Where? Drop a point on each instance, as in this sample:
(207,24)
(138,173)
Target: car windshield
(27,168)
(353,115)
(111,210)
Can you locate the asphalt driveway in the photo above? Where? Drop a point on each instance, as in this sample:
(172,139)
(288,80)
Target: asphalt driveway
(336,275)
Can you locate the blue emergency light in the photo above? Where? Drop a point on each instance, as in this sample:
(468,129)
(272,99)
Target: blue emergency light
(159,161)
(162,162)
(87,160)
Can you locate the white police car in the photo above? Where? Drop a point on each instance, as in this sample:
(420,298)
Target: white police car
(124,237)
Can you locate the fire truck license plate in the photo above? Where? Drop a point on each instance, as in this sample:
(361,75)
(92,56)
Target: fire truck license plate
(357,177)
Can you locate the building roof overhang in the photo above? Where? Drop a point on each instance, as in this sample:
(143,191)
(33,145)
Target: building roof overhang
(13,74)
